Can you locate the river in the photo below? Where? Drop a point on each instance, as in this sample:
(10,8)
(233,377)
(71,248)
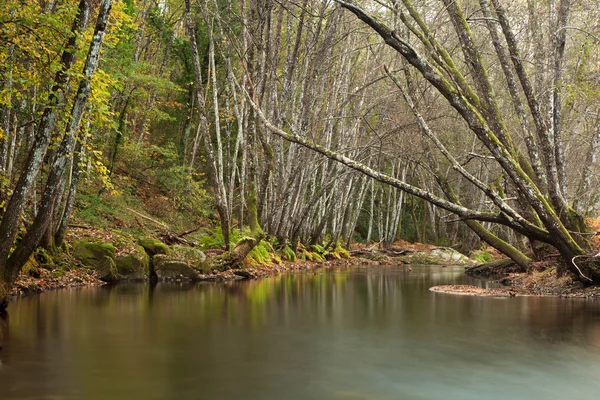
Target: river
(354,333)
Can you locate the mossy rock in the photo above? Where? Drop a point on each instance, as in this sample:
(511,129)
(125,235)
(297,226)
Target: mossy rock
(99,256)
(153,246)
(193,256)
(133,266)
(92,253)
(170,268)
(107,270)
(44,259)
(31,267)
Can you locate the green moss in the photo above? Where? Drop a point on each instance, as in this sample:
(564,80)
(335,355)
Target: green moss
(99,256)
(134,265)
(153,246)
(169,268)
(92,253)
(261,254)
(57,273)
(107,270)
(44,258)
(193,256)
(31,267)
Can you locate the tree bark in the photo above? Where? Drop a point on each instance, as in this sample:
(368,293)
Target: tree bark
(11,266)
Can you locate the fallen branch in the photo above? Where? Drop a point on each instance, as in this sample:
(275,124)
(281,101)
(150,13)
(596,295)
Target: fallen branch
(189,232)
(148,218)
(79,226)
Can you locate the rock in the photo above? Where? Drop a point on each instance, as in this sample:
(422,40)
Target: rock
(170,268)
(133,266)
(99,256)
(244,274)
(437,256)
(92,253)
(153,246)
(451,256)
(107,270)
(31,268)
(194,257)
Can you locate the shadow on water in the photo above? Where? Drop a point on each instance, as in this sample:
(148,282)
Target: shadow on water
(3,335)
(348,333)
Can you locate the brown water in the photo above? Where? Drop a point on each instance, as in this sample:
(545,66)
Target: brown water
(346,334)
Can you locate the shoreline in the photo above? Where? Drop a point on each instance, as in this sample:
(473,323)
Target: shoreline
(78,277)
(537,284)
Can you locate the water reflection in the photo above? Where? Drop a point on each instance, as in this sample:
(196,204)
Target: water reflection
(347,334)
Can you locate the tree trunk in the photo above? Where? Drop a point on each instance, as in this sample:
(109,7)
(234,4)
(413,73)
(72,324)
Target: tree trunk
(11,266)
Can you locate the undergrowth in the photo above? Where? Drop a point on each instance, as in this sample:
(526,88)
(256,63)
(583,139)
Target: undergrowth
(264,253)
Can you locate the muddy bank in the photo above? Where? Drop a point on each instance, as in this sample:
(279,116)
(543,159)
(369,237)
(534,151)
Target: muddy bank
(523,285)
(540,280)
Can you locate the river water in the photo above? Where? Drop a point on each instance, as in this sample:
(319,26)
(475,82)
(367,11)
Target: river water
(354,333)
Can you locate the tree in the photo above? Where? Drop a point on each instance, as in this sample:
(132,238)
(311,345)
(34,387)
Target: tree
(11,261)
(535,175)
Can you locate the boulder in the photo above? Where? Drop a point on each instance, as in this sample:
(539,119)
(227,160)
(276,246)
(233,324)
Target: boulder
(153,246)
(438,256)
(133,266)
(193,256)
(170,268)
(107,270)
(451,256)
(99,256)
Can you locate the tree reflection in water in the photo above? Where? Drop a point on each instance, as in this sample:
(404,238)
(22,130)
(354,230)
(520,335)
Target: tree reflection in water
(373,333)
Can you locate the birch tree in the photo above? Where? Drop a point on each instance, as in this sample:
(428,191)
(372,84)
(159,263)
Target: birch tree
(11,262)
(533,165)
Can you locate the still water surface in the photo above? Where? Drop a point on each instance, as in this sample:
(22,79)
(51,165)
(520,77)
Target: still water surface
(345,334)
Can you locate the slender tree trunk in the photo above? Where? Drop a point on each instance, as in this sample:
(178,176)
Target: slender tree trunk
(11,266)
(10,219)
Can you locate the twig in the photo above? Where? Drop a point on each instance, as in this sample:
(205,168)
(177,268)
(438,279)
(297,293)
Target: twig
(188,232)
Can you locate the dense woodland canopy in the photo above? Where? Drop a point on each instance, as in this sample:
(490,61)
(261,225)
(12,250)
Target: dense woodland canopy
(308,121)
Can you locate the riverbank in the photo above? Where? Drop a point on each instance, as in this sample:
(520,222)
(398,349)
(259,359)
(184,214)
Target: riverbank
(541,283)
(79,276)
(70,269)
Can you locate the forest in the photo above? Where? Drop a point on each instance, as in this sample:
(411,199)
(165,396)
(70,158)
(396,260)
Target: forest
(297,125)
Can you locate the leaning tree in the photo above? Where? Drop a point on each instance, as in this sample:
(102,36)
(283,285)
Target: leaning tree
(508,85)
